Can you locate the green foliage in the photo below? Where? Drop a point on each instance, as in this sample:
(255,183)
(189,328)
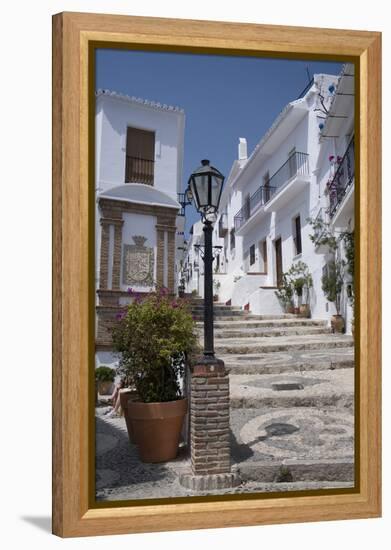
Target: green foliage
(348,240)
(285,292)
(104,374)
(296,280)
(332,282)
(154,337)
(322,234)
(300,278)
(216,285)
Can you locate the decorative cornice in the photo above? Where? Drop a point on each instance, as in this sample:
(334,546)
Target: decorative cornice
(140,101)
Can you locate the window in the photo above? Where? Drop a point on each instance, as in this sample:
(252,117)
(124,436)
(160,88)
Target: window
(252,254)
(232,239)
(263,252)
(297,235)
(140,156)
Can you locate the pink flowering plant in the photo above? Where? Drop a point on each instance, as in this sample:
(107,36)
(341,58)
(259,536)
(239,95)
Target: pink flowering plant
(154,337)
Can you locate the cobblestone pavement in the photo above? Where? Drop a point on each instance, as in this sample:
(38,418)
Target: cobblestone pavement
(291,413)
(262,441)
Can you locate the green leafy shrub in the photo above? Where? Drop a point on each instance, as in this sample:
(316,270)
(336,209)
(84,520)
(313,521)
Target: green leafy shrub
(285,292)
(301,279)
(104,374)
(153,337)
(332,282)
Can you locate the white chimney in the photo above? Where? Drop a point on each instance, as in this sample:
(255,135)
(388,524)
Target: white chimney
(242,155)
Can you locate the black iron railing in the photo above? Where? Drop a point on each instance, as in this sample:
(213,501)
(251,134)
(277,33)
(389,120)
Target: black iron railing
(342,179)
(296,165)
(302,94)
(139,170)
(183,201)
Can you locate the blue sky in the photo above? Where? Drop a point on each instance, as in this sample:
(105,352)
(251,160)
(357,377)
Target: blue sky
(224,97)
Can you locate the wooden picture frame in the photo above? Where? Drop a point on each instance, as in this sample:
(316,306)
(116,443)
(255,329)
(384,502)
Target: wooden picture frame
(74,36)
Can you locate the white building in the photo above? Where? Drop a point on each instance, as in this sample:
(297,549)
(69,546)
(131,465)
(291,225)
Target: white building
(335,177)
(270,195)
(138,174)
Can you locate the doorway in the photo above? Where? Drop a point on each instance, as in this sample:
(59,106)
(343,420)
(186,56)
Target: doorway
(278,249)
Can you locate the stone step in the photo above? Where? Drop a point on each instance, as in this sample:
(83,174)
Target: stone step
(318,389)
(216,306)
(251,324)
(293,444)
(246,316)
(221,312)
(294,361)
(270,332)
(239,346)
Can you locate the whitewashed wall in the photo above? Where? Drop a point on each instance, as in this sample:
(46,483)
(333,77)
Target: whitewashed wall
(114,115)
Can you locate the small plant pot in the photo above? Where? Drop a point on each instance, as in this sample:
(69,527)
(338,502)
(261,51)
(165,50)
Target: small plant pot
(304,310)
(104,387)
(296,310)
(157,428)
(215,298)
(337,324)
(290,309)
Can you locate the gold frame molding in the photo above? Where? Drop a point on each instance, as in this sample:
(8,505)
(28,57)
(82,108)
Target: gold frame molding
(73,34)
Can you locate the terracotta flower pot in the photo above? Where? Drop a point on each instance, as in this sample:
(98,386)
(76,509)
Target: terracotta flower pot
(337,323)
(290,309)
(104,387)
(304,310)
(125,396)
(157,428)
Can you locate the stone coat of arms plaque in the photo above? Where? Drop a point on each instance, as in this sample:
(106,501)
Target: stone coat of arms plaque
(138,263)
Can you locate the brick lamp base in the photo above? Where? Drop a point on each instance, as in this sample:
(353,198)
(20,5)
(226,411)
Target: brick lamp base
(209,428)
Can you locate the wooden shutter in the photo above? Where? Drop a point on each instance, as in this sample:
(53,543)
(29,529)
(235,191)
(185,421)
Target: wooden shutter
(140,156)
(298,235)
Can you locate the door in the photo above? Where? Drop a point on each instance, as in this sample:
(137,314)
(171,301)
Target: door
(278,247)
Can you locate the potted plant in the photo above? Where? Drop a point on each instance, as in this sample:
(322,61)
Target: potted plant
(285,294)
(332,284)
(104,377)
(301,280)
(155,365)
(216,286)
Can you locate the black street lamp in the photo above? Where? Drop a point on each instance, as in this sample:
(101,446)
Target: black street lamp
(205,185)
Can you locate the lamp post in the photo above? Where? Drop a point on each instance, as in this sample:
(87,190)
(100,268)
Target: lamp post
(205,187)
(209,404)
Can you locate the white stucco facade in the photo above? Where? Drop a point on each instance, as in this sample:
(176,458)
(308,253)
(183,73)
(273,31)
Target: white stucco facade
(275,190)
(139,227)
(114,114)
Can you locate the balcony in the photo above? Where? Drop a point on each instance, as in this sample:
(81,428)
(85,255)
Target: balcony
(342,181)
(139,170)
(223,225)
(288,179)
